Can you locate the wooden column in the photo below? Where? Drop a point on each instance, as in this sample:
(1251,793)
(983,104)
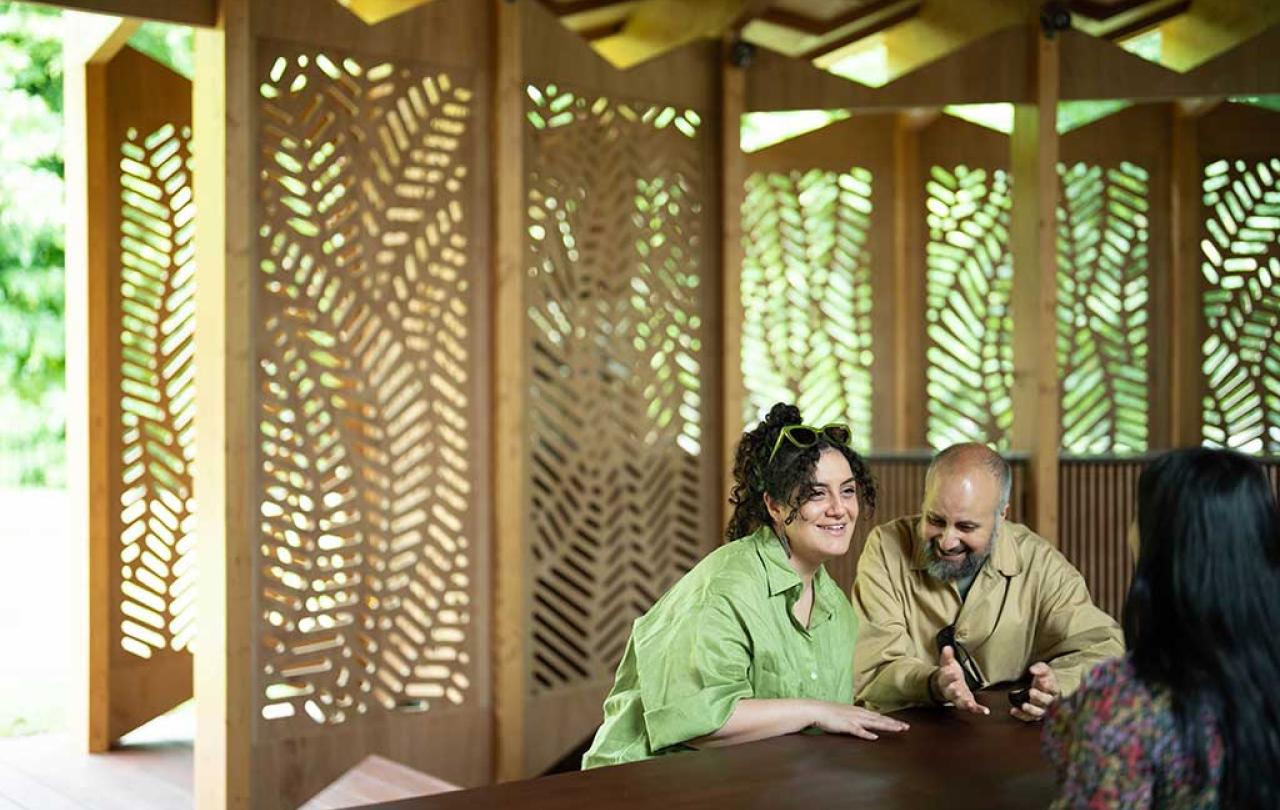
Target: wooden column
(1184,316)
(510,574)
(90,43)
(733,178)
(1036,402)
(226,399)
(907,413)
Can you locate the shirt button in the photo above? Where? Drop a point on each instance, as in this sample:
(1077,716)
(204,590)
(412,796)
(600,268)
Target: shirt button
(813,675)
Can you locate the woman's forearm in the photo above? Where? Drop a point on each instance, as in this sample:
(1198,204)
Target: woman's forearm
(759,719)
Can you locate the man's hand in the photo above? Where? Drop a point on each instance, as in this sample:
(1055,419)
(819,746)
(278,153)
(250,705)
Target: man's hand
(1044,691)
(948,683)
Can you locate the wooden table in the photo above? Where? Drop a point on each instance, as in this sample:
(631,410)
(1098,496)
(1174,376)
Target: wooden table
(947,759)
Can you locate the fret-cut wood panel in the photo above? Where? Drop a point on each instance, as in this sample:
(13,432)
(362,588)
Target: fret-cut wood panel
(619,286)
(148,362)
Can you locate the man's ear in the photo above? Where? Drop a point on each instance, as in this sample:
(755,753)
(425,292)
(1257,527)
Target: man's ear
(1004,513)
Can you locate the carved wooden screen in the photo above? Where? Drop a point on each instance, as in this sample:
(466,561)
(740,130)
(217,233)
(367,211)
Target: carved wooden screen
(969,284)
(148,616)
(1103,294)
(1240,266)
(806,295)
(816,276)
(1113,248)
(372,543)
(618,291)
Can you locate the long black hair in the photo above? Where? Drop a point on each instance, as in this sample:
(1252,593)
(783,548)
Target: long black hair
(1203,613)
(789,478)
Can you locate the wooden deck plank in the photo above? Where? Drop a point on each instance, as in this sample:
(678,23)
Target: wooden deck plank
(51,771)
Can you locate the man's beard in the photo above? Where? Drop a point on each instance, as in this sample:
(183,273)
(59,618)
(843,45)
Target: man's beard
(967,567)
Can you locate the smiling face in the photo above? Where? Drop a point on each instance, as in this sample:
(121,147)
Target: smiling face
(823,526)
(959,520)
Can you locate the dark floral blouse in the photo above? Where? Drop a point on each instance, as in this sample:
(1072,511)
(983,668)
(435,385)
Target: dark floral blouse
(1114,744)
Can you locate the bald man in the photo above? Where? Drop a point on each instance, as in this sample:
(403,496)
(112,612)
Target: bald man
(957,599)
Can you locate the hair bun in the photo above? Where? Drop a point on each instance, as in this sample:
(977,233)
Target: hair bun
(783,414)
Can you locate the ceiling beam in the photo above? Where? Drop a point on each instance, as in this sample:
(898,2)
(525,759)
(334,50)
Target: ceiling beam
(183,12)
(375,11)
(819,27)
(1105,11)
(580,6)
(874,28)
(660,26)
(991,69)
(1151,20)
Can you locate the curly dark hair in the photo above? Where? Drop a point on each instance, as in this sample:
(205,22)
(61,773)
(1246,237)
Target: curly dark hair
(789,478)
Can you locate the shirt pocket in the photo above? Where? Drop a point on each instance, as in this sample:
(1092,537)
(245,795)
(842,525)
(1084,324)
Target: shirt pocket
(768,680)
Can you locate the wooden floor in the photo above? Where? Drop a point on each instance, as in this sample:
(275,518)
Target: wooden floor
(51,772)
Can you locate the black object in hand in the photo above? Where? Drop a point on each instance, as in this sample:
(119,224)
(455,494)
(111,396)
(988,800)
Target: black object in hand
(1017,697)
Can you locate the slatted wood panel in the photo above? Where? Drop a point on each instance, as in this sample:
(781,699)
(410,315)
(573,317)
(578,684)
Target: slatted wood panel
(1098,503)
(900,491)
(146,484)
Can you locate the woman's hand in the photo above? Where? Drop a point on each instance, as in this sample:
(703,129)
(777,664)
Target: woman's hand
(839,718)
(755,719)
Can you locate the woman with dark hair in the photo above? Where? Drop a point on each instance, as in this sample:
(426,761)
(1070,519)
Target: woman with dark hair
(1190,717)
(757,640)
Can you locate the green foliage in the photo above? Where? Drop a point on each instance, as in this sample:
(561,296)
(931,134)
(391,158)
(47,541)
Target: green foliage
(32,353)
(171,45)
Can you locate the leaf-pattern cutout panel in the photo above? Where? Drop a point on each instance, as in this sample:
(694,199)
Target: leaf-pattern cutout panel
(806,296)
(157,390)
(367,559)
(615,304)
(969,284)
(1240,261)
(1103,289)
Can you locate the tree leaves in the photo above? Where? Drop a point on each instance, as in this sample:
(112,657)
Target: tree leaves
(32,353)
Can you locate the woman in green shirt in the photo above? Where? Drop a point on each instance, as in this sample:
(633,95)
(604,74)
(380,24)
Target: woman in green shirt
(757,640)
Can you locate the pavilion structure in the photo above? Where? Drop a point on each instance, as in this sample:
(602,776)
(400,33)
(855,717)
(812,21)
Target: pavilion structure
(409,342)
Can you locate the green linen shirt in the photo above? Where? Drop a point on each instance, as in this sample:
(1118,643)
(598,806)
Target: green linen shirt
(724,632)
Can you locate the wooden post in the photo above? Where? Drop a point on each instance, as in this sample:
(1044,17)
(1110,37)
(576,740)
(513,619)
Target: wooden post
(733,178)
(1037,423)
(1185,318)
(226,401)
(511,600)
(907,412)
(90,42)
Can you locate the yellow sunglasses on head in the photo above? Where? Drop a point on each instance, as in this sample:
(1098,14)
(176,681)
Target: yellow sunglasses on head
(803,436)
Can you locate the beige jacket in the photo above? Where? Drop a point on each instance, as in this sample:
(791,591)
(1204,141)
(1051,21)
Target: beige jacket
(1027,604)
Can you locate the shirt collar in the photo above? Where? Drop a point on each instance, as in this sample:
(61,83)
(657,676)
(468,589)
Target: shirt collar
(1005,560)
(783,579)
(777,571)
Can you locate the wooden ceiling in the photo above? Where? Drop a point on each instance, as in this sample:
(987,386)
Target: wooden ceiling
(871,41)
(909,33)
